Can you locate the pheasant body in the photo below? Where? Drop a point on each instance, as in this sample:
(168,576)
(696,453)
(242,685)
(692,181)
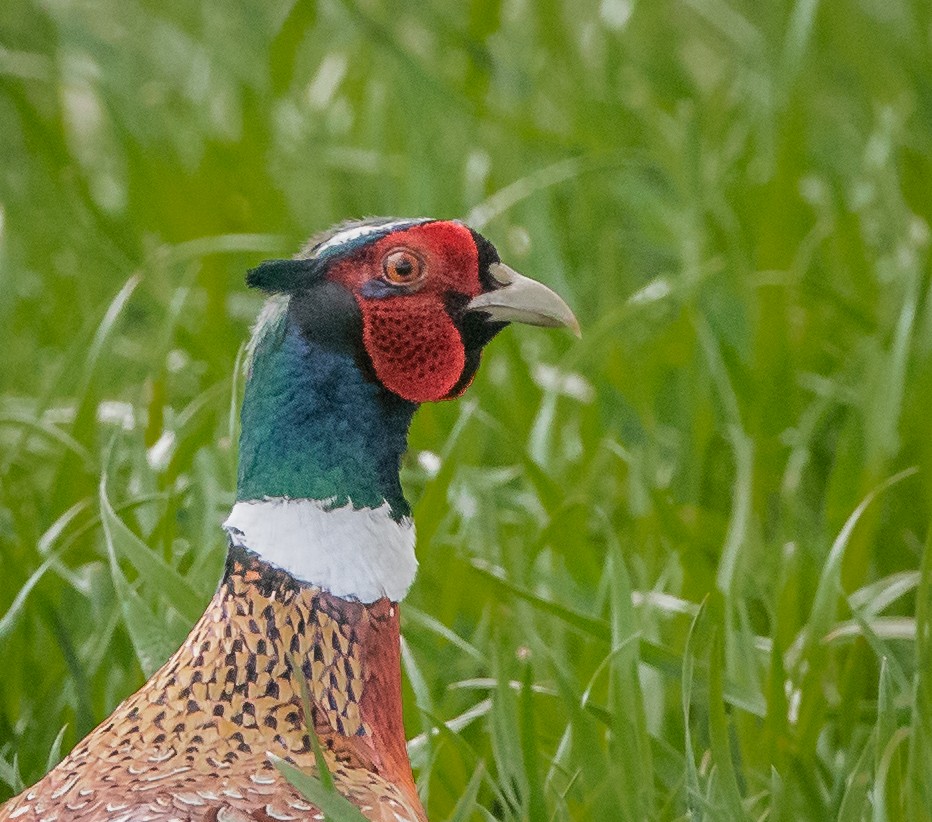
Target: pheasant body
(193,743)
(365,324)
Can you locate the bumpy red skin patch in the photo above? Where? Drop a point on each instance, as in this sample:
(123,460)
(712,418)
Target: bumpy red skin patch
(415,348)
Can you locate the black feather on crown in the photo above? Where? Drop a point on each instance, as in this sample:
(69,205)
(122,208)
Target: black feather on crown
(277,276)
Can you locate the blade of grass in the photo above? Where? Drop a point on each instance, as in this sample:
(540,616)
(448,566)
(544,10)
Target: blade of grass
(324,776)
(506,742)
(9,773)
(152,567)
(55,751)
(52,433)
(149,636)
(428,623)
(8,621)
(720,746)
(536,808)
(150,640)
(854,799)
(829,587)
(319,789)
(882,812)
(334,806)
(466,805)
(417,746)
(632,746)
(919,761)
(695,801)
(807,652)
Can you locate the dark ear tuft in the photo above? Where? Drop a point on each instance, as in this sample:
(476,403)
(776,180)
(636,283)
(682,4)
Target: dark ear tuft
(283,275)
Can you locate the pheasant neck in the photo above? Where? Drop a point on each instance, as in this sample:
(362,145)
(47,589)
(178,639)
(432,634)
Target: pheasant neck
(318,491)
(314,426)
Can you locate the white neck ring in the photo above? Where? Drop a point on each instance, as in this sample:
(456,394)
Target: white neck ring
(354,553)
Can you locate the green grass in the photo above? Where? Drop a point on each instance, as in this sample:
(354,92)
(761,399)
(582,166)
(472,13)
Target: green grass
(675,570)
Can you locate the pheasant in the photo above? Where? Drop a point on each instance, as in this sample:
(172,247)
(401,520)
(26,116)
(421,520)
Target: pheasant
(367,322)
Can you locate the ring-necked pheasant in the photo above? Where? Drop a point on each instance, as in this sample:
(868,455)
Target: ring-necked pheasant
(367,322)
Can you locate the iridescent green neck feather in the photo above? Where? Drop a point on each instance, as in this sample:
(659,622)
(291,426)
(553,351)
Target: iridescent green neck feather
(314,426)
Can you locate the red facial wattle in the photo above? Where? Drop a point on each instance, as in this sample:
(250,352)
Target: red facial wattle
(415,348)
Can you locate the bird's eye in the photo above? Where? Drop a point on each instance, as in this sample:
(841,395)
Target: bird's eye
(402,267)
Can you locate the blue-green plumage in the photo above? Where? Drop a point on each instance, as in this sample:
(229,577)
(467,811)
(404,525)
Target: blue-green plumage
(315,427)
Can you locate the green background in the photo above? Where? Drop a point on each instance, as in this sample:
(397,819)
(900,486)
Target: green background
(674,570)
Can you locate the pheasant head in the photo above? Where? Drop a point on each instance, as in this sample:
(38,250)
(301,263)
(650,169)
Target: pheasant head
(415,300)
(369,321)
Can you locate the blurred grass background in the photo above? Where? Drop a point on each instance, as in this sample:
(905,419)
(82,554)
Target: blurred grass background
(673,571)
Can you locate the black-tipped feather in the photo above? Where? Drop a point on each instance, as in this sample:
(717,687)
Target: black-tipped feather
(276,276)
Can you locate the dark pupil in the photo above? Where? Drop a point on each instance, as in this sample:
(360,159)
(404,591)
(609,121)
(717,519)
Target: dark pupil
(403,267)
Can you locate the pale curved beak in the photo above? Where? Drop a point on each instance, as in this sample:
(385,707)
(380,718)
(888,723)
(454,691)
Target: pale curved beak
(523,300)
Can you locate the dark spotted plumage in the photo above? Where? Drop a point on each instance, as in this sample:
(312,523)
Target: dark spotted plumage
(193,743)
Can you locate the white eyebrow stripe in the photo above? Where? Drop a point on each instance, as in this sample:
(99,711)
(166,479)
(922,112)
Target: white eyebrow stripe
(348,235)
